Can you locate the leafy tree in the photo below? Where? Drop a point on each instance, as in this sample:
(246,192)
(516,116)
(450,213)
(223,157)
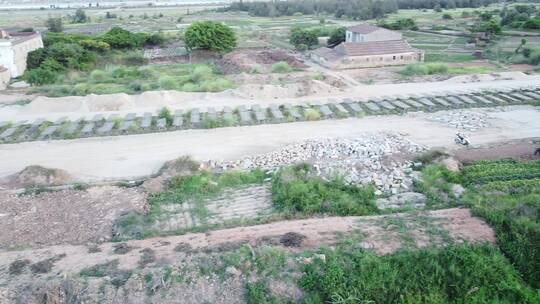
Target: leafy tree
(337,36)
(533,23)
(119,38)
(490,27)
(94,45)
(80,16)
(54,24)
(35,58)
(300,36)
(210,35)
(154,39)
(447,16)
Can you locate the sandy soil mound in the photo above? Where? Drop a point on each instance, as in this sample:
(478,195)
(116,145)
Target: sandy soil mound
(245,60)
(36,176)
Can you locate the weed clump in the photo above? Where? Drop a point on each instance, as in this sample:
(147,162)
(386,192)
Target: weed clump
(296,190)
(312,114)
(17,267)
(281,67)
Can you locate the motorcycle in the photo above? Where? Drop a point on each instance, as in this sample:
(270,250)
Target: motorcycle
(461,139)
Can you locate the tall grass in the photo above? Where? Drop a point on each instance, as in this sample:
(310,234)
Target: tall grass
(455,274)
(135,79)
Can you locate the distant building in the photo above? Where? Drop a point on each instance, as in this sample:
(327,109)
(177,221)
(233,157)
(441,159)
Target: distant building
(14,49)
(368,46)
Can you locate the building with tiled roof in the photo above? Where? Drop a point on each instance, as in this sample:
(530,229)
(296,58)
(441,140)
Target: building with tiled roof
(14,49)
(368,46)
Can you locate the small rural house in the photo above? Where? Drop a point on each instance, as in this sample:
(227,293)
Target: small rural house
(14,49)
(368,46)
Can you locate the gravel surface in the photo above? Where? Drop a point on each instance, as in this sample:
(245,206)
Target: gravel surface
(379,158)
(462,119)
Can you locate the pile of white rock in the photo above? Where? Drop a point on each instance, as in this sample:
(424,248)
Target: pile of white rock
(462,119)
(375,158)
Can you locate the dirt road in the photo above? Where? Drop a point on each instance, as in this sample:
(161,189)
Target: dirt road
(140,155)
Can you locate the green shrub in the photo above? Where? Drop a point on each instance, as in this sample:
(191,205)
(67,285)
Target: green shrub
(281,67)
(167,83)
(312,114)
(201,73)
(98,76)
(166,113)
(455,274)
(294,190)
(40,76)
(424,69)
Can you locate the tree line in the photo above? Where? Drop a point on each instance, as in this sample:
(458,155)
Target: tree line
(354,9)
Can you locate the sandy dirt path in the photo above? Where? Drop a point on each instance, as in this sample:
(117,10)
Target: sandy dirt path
(380,235)
(140,155)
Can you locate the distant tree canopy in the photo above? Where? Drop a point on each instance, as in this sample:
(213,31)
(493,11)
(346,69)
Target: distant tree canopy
(303,39)
(80,16)
(355,9)
(337,36)
(54,24)
(400,24)
(210,35)
(119,38)
(521,16)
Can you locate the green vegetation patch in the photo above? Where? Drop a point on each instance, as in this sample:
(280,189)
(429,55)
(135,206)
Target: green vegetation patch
(455,274)
(502,170)
(510,202)
(435,68)
(296,190)
(195,189)
(136,79)
(504,192)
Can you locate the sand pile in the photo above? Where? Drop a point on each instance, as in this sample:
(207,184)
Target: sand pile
(36,176)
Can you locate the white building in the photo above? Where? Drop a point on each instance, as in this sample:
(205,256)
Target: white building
(368,46)
(14,49)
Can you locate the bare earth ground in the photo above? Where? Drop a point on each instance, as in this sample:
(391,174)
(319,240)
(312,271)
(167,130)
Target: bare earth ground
(521,149)
(250,94)
(64,217)
(380,234)
(190,268)
(132,156)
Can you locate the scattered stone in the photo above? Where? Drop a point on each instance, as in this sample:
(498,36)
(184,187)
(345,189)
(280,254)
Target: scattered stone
(405,199)
(368,159)
(457,190)
(233,271)
(462,119)
(451,164)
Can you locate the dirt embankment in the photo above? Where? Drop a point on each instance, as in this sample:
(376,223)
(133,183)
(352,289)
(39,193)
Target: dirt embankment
(64,217)
(382,234)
